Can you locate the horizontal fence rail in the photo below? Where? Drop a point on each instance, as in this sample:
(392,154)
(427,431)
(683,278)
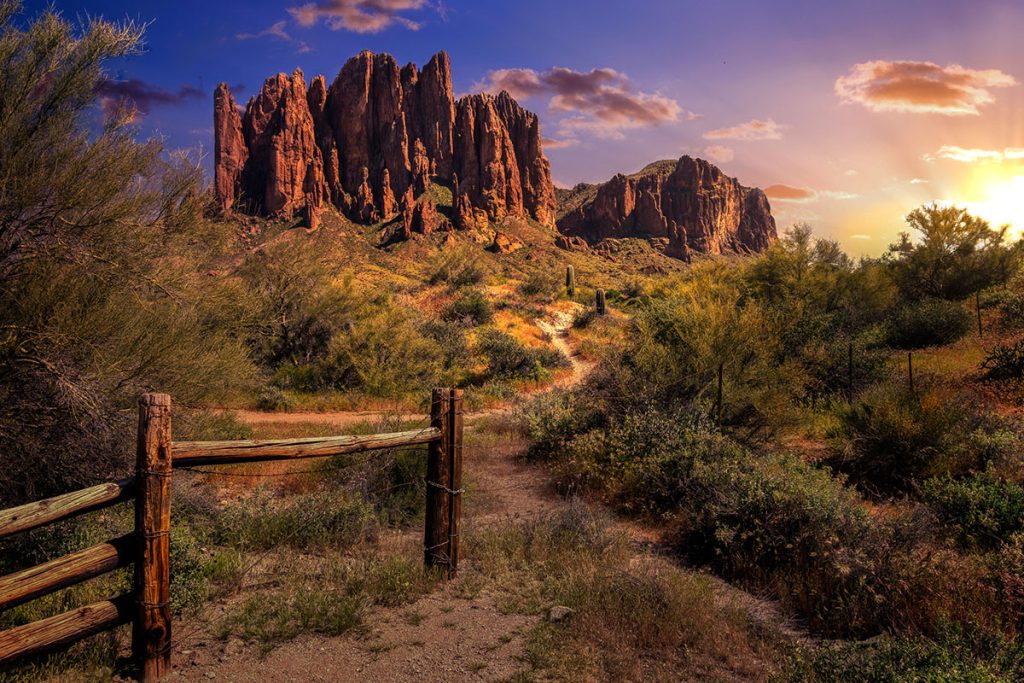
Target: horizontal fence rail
(147,607)
(45,578)
(42,512)
(65,629)
(217,452)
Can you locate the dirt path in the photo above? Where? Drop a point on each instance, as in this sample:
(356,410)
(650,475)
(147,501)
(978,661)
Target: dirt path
(456,633)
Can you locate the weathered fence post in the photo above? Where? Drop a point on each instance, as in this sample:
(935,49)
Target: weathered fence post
(977,307)
(570,282)
(151,629)
(435,532)
(455,476)
(601,308)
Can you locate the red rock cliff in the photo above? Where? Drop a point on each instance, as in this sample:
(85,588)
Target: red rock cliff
(690,201)
(376,131)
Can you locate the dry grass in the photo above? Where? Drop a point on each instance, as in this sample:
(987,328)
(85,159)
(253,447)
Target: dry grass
(636,616)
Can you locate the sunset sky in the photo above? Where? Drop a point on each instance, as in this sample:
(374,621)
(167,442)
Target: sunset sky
(848,113)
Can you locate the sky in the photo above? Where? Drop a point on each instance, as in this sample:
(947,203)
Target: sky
(849,114)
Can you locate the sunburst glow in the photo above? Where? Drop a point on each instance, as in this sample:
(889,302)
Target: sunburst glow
(1001,202)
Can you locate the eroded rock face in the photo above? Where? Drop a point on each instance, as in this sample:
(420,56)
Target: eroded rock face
(690,202)
(284,173)
(230,151)
(377,130)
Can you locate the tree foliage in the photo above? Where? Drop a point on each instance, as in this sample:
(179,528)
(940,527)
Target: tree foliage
(92,311)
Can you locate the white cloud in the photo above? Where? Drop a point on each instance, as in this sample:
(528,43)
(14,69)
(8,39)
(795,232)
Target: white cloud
(720,153)
(969,155)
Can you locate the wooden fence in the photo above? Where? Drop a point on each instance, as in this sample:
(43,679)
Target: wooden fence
(147,606)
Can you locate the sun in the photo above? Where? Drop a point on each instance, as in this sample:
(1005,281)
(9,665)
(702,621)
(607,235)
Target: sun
(1001,202)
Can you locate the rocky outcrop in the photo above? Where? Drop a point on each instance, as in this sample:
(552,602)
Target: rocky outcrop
(374,132)
(229,149)
(690,202)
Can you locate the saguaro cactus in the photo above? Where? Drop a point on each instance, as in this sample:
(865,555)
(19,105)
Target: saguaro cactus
(599,295)
(570,282)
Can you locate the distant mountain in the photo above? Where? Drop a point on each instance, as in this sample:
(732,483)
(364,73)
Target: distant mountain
(690,201)
(372,141)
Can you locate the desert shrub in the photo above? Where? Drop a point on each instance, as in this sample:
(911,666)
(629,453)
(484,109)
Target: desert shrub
(583,317)
(827,365)
(678,343)
(451,340)
(982,511)
(1005,361)
(889,439)
(953,656)
(1011,307)
(384,354)
(275,400)
(471,307)
(929,322)
(188,571)
(509,359)
(461,267)
(540,284)
(551,421)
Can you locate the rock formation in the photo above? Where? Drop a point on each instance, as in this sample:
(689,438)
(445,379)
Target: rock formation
(377,130)
(689,201)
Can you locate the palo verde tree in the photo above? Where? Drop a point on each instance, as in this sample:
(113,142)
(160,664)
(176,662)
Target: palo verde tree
(956,254)
(91,315)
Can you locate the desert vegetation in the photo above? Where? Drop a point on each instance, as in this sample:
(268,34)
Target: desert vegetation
(841,438)
(871,505)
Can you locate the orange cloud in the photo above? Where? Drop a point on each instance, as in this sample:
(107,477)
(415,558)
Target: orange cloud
(360,16)
(555,143)
(920,87)
(789,193)
(757,129)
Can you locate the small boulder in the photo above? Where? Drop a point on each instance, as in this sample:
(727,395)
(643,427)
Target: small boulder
(504,243)
(559,613)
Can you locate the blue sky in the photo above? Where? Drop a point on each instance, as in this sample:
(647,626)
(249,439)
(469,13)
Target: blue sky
(934,112)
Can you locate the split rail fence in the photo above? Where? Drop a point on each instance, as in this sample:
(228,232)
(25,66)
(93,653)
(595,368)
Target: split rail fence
(147,606)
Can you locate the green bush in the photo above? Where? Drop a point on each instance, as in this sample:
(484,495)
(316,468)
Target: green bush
(507,358)
(540,285)
(274,400)
(828,367)
(471,307)
(929,322)
(889,439)
(188,571)
(1005,361)
(951,657)
(982,510)
(1012,307)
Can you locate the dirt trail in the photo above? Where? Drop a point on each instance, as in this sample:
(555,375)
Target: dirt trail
(457,632)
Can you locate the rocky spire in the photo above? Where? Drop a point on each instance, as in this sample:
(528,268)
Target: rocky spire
(376,131)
